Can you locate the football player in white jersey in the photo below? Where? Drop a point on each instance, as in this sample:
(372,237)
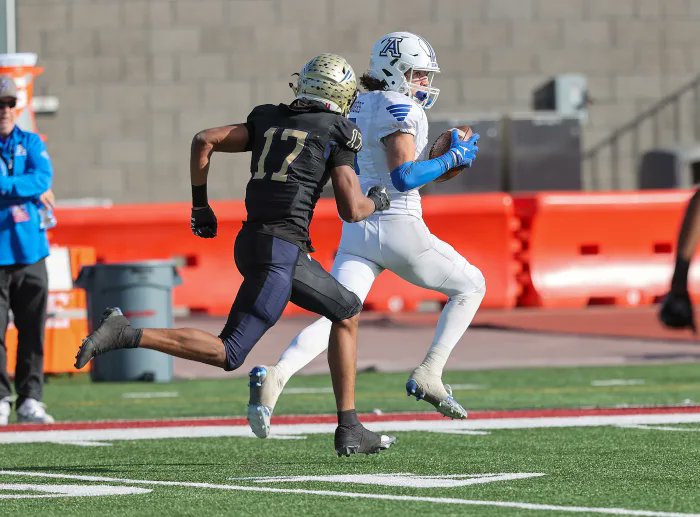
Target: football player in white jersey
(391,117)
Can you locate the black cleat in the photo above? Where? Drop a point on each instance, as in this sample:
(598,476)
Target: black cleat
(114,333)
(677,311)
(359,440)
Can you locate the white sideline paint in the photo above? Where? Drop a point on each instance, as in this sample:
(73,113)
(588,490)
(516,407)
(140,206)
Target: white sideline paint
(467,387)
(151,395)
(88,443)
(383,497)
(287,430)
(661,428)
(617,382)
(463,431)
(51,491)
(402,479)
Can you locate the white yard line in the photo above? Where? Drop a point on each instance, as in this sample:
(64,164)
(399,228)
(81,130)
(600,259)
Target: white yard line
(308,391)
(660,428)
(355,495)
(151,395)
(617,382)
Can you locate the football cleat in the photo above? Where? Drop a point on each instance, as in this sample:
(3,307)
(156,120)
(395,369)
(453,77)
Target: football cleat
(430,388)
(110,335)
(265,385)
(676,311)
(357,439)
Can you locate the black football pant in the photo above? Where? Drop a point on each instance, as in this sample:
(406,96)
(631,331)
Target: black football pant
(275,272)
(24,289)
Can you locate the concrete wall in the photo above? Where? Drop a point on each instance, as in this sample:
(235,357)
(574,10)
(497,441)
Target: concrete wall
(137,78)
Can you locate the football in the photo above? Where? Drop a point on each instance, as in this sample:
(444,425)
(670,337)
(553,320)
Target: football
(442,145)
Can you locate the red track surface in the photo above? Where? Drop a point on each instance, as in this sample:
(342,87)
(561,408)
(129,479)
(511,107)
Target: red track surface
(368,417)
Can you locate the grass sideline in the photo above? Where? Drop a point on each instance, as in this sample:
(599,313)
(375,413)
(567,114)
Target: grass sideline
(586,469)
(71,398)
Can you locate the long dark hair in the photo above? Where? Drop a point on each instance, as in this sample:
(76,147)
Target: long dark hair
(372,84)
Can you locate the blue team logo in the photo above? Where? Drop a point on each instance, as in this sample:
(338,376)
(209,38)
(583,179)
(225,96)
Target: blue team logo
(425,46)
(399,111)
(391,47)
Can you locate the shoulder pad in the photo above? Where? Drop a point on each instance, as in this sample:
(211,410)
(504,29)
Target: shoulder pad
(260,110)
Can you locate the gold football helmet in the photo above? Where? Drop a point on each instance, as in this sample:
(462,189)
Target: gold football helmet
(327,78)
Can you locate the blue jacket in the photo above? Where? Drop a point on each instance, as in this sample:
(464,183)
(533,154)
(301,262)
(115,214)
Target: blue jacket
(25,174)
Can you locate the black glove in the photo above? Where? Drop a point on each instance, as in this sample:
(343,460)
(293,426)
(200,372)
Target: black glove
(203,222)
(677,311)
(379,195)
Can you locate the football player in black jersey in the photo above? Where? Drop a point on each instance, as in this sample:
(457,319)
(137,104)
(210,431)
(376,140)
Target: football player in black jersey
(676,310)
(295,149)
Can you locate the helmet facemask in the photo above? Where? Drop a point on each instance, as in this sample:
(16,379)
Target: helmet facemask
(424,95)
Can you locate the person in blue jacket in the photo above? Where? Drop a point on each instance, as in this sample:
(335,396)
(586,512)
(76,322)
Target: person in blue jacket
(25,176)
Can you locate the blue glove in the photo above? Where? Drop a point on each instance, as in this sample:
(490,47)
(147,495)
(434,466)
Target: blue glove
(462,153)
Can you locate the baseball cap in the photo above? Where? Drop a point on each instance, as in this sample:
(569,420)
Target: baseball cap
(8,88)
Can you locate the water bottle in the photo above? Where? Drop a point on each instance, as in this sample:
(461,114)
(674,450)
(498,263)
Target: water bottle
(47,219)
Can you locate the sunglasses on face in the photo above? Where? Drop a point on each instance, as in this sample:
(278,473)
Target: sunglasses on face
(8,104)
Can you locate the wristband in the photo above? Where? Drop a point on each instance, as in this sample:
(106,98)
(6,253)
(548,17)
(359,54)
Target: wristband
(199,196)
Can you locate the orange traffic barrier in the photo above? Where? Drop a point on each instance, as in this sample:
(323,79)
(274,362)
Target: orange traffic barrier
(130,233)
(599,248)
(482,227)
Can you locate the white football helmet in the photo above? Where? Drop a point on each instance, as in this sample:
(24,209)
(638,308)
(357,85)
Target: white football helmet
(330,79)
(399,52)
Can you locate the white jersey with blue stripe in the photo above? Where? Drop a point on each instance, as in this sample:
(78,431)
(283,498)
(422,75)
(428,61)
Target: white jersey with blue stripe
(379,114)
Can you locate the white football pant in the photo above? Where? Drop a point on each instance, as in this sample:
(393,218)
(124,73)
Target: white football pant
(402,244)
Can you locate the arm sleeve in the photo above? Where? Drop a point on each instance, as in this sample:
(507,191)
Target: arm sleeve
(410,175)
(36,178)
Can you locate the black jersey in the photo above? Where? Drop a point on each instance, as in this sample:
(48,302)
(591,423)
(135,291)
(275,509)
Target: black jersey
(294,147)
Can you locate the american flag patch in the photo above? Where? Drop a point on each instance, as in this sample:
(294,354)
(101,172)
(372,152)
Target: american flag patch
(19,214)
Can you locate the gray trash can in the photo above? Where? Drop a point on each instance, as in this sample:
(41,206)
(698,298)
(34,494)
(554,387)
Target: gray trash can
(143,291)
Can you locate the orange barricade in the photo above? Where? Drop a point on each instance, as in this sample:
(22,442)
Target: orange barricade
(599,248)
(482,227)
(127,233)
(66,324)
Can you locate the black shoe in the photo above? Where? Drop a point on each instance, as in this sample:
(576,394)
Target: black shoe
(677,311)
(114,333)
(358,440)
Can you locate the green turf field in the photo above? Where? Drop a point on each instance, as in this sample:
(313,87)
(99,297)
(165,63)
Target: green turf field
(76,398)
(652,471)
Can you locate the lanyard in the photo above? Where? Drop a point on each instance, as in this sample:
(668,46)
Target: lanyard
(8,147)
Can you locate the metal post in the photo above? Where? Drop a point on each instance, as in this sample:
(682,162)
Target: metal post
(696,111)
(615,162)
(676,119)
(8,30)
